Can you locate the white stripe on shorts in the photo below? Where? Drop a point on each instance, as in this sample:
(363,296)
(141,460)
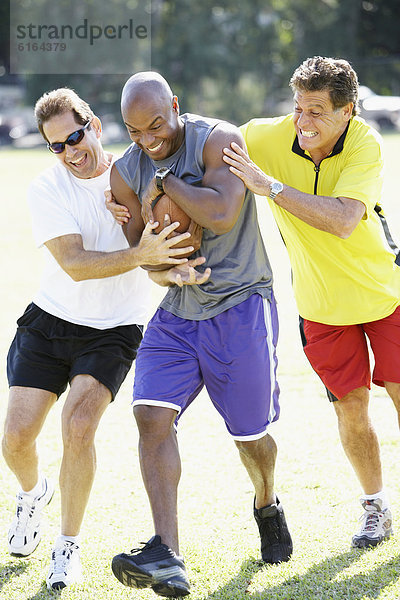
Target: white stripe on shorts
(271,353)
(157,403)
(249,438)
(272,375)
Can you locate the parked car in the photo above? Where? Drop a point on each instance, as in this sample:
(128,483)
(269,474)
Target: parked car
(382,111)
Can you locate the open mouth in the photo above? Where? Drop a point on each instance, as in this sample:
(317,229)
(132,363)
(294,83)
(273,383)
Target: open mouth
(154,149)
(79,162)
(308,134)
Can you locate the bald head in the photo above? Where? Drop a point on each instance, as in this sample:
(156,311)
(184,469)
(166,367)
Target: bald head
(143,87)
(151,115)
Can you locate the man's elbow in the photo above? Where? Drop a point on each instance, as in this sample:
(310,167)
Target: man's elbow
(75,275)
(345,229)
(74,272)
(349,220)
(221,224)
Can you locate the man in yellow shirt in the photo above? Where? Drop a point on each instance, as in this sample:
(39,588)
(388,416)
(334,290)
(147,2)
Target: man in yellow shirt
(321,169)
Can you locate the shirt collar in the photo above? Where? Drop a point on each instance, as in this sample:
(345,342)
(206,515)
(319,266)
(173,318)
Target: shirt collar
(338,147)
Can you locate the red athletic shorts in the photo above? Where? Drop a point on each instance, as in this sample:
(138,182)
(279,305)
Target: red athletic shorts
(339,354)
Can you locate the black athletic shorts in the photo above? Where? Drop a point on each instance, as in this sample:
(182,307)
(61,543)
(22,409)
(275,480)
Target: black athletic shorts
(47,352)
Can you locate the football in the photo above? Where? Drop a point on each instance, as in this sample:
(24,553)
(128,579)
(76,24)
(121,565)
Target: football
(166,206)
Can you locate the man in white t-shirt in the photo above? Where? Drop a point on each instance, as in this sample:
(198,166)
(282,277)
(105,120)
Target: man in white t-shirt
(83,327)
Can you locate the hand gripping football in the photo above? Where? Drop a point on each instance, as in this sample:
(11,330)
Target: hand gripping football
(166,206)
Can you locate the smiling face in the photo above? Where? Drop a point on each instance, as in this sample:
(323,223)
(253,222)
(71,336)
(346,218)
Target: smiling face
(84,160)
(153,123)
(318,125)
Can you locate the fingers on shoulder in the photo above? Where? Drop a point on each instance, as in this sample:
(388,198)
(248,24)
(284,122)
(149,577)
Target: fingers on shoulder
(222,136)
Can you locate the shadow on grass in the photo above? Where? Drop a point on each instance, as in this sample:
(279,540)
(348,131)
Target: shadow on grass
(9,571)
(12,570)
(43,592)
(318,582)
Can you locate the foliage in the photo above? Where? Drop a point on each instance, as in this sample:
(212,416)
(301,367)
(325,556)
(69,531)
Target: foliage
(233,59)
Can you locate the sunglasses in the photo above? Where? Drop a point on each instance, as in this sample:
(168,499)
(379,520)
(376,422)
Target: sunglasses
(72,140)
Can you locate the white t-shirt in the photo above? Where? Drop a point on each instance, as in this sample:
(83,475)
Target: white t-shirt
(63,204)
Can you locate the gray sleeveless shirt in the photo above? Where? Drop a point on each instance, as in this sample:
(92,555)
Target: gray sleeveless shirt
(238,260)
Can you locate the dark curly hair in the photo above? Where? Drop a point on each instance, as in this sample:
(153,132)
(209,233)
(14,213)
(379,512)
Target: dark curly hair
(332,74)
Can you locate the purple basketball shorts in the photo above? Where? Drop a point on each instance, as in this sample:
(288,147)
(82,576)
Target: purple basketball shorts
(232,354)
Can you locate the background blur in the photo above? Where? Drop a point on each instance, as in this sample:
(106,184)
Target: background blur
(229,59)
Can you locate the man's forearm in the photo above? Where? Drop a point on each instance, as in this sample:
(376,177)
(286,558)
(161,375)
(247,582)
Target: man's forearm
(206,206)
(89,264)
(338,216)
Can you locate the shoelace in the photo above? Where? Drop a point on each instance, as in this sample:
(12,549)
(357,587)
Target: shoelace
(371,520)
(62,555)
(146,546)
(25,511)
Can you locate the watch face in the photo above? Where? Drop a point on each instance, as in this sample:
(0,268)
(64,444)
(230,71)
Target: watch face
(161,173)
(276,187)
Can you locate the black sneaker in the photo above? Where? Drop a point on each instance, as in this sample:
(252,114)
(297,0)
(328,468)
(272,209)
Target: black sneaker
(276,543)
(156,566)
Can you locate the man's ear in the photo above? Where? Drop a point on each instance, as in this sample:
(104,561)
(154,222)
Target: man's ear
(175,104)
(348,110)
(96,125)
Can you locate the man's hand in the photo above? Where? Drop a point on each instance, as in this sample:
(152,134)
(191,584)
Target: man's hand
(118,211)
(149,195)
(157,249)
(181,275)
(195,230)
(252,176)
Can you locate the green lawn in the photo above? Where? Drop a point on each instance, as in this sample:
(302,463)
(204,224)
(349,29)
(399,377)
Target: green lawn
(218,534)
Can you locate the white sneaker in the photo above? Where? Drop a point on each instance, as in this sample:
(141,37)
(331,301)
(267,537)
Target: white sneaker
(376,524)
(65,567)
(24,533)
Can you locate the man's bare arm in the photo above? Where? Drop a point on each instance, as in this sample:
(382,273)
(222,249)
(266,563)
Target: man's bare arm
(339,216)
(81,264)
(215,204)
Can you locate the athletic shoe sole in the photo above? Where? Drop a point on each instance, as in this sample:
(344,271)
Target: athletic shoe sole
(60,585)
(132,575)
(366,542)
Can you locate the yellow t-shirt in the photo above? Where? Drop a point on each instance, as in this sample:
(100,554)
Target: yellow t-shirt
(336,281)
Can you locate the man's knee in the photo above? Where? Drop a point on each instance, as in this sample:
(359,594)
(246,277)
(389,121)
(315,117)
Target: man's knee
(247,448)
(84,407)
(255,448)
(154,421)
(79,431)
(352,409)
(26,413)
(17,438)
(79,428)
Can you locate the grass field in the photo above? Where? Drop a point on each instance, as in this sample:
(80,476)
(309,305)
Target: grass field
(218,535)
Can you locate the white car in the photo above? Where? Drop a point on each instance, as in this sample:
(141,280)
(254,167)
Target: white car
(381,111)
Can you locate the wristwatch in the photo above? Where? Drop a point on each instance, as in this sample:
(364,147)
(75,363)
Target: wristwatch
(275,188)
(160,175)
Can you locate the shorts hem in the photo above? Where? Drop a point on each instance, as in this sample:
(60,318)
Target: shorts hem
(45,387)
(334,397)
(111,387)
(249,438)
(160,403)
